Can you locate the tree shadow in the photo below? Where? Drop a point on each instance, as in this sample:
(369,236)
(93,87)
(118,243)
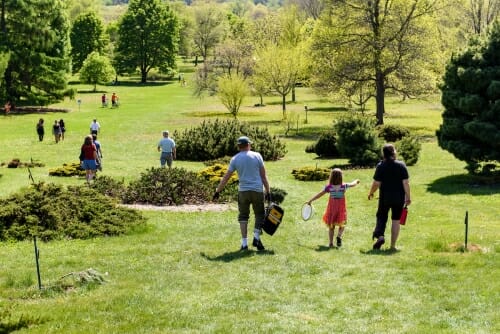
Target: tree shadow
(464,183)
(236,255)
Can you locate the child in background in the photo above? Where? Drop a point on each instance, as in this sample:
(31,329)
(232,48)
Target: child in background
(336,212)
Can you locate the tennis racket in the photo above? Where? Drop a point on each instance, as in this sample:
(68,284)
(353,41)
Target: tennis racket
(307,211)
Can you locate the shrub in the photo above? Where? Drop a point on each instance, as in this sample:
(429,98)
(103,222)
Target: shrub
(17,163)
(278,195)
(357,140)
(392,133)
(168,186)
(213,140)
(51,211)
(213,174)
(326,146)
(311,148)
(408,149)
(108,186)
(71,169)
(311,174)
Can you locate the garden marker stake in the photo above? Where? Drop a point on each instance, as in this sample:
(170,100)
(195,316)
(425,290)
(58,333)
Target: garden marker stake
(37,255)
(466,228)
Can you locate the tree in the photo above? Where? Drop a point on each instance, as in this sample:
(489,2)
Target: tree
(232,90)
(279,67)
(387,43)
(86,37)
(471,98)
(148,39)
(209,29)
(96,69)
(36,35)
(482,13)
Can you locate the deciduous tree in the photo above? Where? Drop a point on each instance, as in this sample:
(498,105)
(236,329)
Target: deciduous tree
(232,90)
(96,69)
(86,37)
(148,38)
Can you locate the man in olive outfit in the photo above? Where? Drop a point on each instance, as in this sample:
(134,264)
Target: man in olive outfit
(252,179)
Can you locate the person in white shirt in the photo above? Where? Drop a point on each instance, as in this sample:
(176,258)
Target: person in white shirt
(95,127)
(167,148)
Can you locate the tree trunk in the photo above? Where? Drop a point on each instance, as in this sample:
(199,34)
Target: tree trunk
(144,76)
(283,103)
(293,93)
(380,97)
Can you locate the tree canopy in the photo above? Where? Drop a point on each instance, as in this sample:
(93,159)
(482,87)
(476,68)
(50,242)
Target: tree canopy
(148,38)
(96,69)
(36,35)
(376,46)
(471,98)
(86,37)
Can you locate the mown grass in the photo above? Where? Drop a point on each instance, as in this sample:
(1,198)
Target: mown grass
(184,273)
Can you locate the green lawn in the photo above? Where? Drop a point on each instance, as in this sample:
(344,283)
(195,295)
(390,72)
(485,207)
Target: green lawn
(184,273)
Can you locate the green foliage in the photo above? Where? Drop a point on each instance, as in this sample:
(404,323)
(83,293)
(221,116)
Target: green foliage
(471,98)
(326,146)
(357,140)
(36,35)
(168,186)
(311,173)
(51,211)
(69,169)
(149,35)
(278,195)
(214,173)
(232,90)
(87,36)
(392,133)
(96,69)
(108,186)
(212,140)
(408,149)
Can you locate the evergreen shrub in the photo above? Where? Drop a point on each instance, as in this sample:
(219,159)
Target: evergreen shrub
(357,140)
(392,133)
(311,174)
(168,186)
(408,149)
(326,146)
(52,211)
(212,140)
(69,169)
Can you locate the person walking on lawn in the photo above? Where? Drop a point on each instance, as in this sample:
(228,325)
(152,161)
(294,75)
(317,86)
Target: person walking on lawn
(391,177)
(252,179)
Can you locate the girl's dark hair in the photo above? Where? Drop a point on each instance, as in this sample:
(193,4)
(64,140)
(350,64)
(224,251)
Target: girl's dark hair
(336,176)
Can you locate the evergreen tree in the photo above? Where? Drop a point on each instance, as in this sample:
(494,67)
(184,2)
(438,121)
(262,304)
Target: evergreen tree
(148,38)
(36,35)
(86,37)
(471,98)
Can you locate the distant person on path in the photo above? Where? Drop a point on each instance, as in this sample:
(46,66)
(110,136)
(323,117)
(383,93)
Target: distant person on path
(40,129)
(99,152)
(167,148)
(88,157)
(114,100)
(63,128)
(391,177)
(252,181)
(104,101)
(95,127)
(56,131)
(336,211)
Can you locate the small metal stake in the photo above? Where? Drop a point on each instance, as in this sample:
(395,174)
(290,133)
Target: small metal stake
(466,228)
(37,256)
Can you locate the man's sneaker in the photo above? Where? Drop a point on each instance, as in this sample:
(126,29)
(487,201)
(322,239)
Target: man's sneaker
(244,248)
(379,243)
(339,242)
(257,243)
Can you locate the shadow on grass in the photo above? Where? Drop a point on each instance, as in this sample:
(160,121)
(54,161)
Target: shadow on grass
(464,183)
(236,255)
(383,252)
(322,248)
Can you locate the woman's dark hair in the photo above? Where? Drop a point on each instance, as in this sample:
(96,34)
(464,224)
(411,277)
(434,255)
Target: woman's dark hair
(88,140)
(389,151)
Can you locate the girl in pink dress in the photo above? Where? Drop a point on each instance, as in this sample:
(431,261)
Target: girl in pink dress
(336,213)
